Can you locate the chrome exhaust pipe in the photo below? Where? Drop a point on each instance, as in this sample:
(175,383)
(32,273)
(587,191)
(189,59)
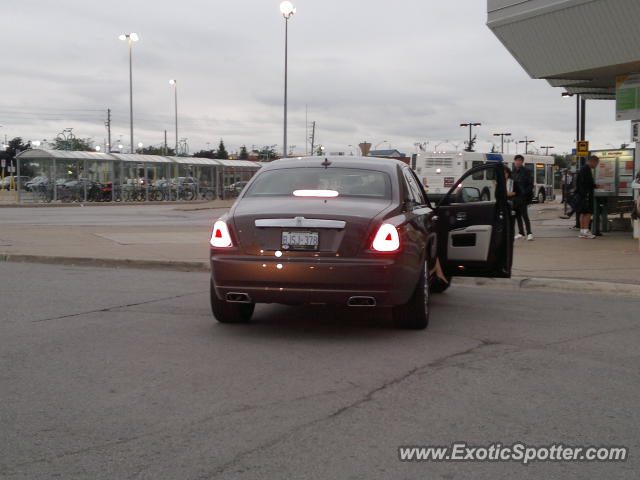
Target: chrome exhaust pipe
(237,297)
(361,302)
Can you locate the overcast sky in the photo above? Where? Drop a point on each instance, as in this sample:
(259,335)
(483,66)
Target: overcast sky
(403,71)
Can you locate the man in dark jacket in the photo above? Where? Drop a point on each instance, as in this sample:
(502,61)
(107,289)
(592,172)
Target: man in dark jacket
(585,186)
(523,189)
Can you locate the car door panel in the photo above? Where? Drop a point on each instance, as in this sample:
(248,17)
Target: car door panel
(470,243)
(475,237)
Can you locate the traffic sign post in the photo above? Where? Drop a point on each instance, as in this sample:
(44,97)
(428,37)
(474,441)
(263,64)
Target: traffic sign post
(582,149)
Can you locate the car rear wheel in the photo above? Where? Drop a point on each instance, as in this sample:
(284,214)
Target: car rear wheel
(226,312)
(415,313)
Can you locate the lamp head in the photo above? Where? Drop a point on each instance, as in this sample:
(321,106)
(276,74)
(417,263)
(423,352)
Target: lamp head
(287,9)
(130,36)
(172,82)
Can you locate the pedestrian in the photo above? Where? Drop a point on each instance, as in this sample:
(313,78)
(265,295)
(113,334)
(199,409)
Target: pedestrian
(567,181)
(508,177)
(585,186)
(523,189)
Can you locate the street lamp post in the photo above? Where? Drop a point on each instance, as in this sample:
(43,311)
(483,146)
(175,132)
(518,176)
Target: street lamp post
(578,128)
(502,135)
(470,125)
(526,142)
(130,38)
(174,83)
(546,148)
(287,9)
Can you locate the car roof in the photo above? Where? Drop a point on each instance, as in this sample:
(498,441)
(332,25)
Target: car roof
(381,164)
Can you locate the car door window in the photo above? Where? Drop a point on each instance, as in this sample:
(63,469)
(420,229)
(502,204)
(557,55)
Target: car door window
(478,175)
(415,192)
(409,195)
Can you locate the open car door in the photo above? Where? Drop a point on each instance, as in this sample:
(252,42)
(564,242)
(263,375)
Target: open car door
(475,236)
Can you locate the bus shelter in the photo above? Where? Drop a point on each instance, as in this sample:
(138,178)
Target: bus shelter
(63,176)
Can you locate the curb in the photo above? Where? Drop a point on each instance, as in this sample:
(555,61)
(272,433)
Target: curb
(514,283)
(227,203)
(107,262)
(553,284)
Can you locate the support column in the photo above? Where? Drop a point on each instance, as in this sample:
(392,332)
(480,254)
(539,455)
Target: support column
(636,191)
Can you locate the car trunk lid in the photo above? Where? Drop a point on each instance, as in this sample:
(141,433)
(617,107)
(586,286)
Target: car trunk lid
(341,224)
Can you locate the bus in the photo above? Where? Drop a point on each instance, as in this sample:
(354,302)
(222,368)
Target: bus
(439,171)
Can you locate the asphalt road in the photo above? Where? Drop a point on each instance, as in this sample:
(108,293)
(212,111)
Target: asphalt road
(123,374)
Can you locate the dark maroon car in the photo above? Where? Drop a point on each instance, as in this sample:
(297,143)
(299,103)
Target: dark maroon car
(358,232)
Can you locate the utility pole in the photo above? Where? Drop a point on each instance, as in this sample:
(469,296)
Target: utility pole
(470,125)
(166,150)
(108,125)
(313,136)
(502,135)
(526,142)
(547,147)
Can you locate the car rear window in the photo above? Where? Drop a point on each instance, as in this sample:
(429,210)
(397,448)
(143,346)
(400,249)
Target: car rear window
(348,182)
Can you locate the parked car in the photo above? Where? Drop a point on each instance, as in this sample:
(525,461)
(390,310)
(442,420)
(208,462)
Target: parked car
(355,232)
(5,183)
(36,181)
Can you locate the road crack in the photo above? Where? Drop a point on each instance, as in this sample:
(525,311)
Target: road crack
(108,309)
(367,397)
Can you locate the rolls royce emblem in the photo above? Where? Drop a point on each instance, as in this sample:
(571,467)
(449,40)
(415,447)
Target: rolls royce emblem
(299,221)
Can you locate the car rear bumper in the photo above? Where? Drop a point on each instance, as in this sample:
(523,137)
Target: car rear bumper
(388,279)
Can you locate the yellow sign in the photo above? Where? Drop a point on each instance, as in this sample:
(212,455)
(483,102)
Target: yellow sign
(582,149)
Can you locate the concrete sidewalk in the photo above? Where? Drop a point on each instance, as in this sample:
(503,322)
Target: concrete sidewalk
(176,237)
(557,252)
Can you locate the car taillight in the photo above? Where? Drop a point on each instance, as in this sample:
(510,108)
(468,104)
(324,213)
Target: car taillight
(220,236)
(387,239)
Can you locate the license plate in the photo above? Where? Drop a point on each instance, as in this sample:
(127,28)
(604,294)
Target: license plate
(300,240)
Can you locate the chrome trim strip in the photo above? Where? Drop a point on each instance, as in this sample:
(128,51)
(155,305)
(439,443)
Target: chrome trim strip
(299,222)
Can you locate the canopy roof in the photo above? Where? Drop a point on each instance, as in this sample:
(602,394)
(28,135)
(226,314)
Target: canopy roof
(581,45)
(133,157)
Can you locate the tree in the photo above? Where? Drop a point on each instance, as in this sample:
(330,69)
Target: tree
(73,143)
(205,154)
(151,150)
(561,161)
(15,146)
(267,153)
(471,144)
(222,152)
(244,155)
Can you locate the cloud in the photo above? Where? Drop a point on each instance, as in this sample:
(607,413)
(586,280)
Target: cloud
(365,69)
